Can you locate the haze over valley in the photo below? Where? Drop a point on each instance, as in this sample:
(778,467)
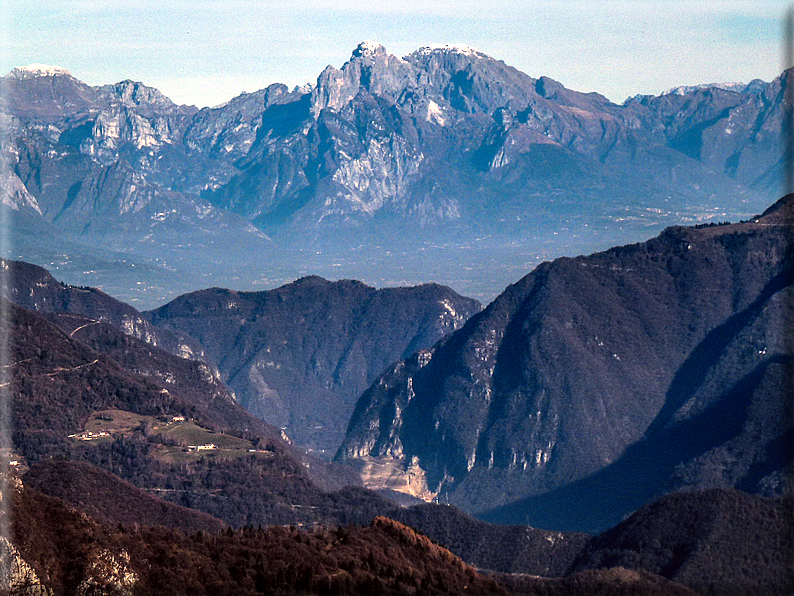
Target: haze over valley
(446,165)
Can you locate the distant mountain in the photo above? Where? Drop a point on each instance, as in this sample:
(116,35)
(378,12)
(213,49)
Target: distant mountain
(299,356)
(442,158)
(449,134)
(90,167)
(754,86)
(595,384)
(730,130)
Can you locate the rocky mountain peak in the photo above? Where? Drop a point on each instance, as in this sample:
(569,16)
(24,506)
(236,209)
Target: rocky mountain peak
(756,86)
(368,48)
(370,68)
(547,87)
(471,81)
(136,93)
(32,71)
(687,89)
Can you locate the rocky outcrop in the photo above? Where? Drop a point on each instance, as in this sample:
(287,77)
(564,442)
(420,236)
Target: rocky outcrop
(17,577)
(108,573)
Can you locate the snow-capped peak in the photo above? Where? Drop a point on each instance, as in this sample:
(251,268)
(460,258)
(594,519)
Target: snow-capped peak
(684,89)
(368,48)
(458,48)
(32,71)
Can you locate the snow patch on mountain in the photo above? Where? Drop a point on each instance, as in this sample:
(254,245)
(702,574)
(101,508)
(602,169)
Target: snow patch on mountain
(32,71)
(434,113)
(458,48)
(369,48)
(685,89)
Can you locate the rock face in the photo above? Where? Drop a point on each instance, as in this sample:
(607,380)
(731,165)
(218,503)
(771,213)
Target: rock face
(29,569)
(299,356)
(18,577)
(661,365)
(108,573)
(443,147)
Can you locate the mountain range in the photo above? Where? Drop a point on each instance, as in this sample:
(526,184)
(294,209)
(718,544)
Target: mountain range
(445,165)
(588,388)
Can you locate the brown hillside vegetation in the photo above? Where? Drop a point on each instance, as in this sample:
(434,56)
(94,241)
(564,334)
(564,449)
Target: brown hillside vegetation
(72,553)
(502,548)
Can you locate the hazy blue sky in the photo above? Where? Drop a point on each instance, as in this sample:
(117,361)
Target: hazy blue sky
(205,52)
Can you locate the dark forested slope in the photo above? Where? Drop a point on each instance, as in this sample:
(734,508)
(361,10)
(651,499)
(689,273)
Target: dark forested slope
(719,541)
(662,364)
(63,389)
(300,355)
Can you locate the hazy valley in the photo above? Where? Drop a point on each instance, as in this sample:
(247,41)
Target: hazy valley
(446,165)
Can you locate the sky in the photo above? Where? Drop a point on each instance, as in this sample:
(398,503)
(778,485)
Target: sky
(204,52)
